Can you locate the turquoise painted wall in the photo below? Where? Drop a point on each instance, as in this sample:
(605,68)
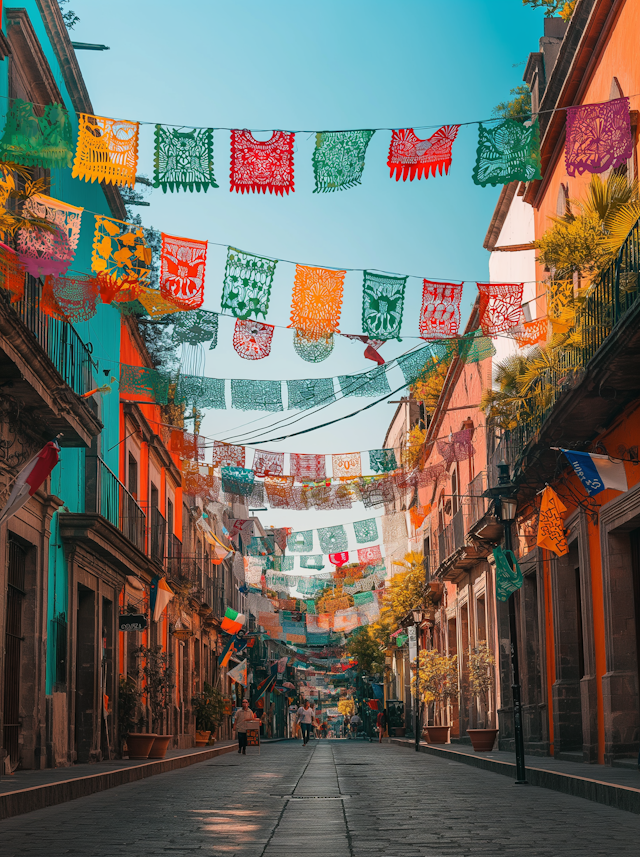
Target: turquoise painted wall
(101,334)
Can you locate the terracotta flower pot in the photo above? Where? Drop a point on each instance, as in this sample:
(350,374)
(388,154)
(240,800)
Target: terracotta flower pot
(399,731)
(482,739)
(160,746)
(202,738)
(437,734)
(139,744)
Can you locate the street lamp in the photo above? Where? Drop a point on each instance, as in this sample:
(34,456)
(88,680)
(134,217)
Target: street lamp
(503,495)
(417,621)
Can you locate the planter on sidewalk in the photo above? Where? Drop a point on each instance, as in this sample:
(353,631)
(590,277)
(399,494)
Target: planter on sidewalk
(139,744)
(399,731)
(437,734)
(202,738)
(482,739)
(160,746)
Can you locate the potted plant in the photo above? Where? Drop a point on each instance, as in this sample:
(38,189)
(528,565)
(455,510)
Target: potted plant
(481,679)
(129,697)
(157,690)
(438,683)
(208,710)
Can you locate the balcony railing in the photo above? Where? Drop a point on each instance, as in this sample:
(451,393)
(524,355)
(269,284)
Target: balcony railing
(116,504)
(610,298)
(157,535)
(63,346)
(472,508)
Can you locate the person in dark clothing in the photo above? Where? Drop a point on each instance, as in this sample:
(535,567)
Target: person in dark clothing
(381,722)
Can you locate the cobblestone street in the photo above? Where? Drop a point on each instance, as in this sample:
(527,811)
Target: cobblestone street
(332,798)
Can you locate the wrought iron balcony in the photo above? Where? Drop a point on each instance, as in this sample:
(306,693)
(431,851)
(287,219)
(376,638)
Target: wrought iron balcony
(65,349)
(107,496)
(157,535)
(472,509)
(611,305)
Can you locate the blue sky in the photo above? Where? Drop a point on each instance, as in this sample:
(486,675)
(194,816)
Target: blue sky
(336,65)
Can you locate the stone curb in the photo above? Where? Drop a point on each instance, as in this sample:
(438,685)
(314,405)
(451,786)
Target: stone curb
(620,797)
(50,794)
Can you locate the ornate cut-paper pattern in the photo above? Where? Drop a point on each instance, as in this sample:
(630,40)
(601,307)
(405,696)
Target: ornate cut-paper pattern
(382,460)
(279,491)
(316,301)
(346,465)
(532,332)
(339,559)
(598,137)
(312,350)
(107,150)
(373,383)
(76,297)
(394,528)
(333,539)
(409,156)
(182,266)
(237,480)
(195,327)
(147,382)
(338,159)
(430,475)
(262,166)
(382,305)
(154,304)
(440,313)
(307,468)
(500,306)
(551,533)
(370,556)
(199,392)
(247,283)
(365,531)
(458,448)
(475,347)
(120,255)
(507,152)
(187,445)
(268,463)
(183,159)
(378,493)
(301,542)
(416,364)
(256,395)
(312,561)
(44,252)
(252,339)
(227,454)
(45,141)
(310,393)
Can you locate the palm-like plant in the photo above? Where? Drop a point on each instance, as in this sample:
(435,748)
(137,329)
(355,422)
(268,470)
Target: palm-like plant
(14,194)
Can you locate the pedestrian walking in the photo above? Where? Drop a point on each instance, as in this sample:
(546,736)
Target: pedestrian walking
(381,722)
(305,719)
(243,716)
(355,724)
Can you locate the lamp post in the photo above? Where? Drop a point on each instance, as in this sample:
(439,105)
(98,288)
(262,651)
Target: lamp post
(507,504)
(417,621)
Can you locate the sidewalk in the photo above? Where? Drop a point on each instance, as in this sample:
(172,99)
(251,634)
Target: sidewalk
(618,787)
(26,791)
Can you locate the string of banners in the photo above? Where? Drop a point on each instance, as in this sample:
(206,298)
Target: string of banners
(307,486)
(301,394)
(121,273)
(598,138)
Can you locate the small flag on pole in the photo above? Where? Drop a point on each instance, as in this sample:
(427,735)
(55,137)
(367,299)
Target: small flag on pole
(232,621)
(30,479)
(161,595)
(597,472)
(239,673)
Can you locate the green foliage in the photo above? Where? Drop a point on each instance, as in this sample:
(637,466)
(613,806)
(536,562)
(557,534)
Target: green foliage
(518,108)
(158,682)
(481,673)
(362,645)
(563,8)
(69,17)
(129,698)
(438,676)
(208,708)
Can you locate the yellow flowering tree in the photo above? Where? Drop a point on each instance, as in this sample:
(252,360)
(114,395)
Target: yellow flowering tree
(438,680)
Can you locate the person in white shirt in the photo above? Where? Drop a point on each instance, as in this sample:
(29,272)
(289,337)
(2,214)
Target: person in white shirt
(355,725)
(305,719)
(243,715)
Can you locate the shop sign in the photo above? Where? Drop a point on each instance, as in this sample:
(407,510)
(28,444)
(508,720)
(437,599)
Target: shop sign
(132,622)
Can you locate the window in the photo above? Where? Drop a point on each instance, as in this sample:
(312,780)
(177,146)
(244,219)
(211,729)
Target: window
(455,490)
(170,517)
(563,200)
(132,477)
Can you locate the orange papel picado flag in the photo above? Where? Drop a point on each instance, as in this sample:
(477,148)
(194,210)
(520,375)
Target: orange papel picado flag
(550,529)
